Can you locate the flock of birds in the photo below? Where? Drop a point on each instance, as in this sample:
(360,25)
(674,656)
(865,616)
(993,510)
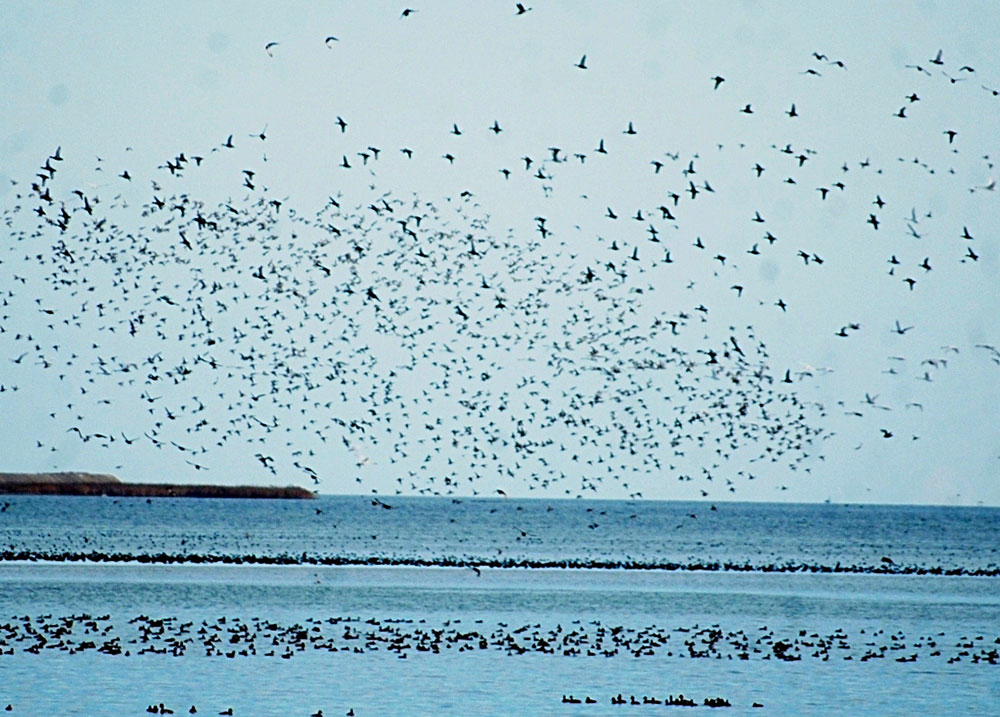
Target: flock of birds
(160,708)
(394,333)
(236,638)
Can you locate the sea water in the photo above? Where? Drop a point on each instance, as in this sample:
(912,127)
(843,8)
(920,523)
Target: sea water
(880,636)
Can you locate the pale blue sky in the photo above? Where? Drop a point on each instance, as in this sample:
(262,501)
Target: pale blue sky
(162,79)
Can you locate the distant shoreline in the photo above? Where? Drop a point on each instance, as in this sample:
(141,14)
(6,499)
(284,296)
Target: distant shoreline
(106,485)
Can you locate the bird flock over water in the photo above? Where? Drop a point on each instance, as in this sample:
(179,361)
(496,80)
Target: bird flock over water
(235,638)
(597,343)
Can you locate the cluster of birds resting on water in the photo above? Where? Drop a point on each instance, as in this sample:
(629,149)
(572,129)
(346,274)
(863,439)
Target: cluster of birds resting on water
(410,334)
(234,638)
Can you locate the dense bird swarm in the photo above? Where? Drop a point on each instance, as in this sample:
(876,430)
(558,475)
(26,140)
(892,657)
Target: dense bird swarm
(191,307)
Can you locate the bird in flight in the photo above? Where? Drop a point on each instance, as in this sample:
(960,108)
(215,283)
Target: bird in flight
(269,48)
(521,9)
(407,12)
(582,64)
(330,40)
(718,80)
